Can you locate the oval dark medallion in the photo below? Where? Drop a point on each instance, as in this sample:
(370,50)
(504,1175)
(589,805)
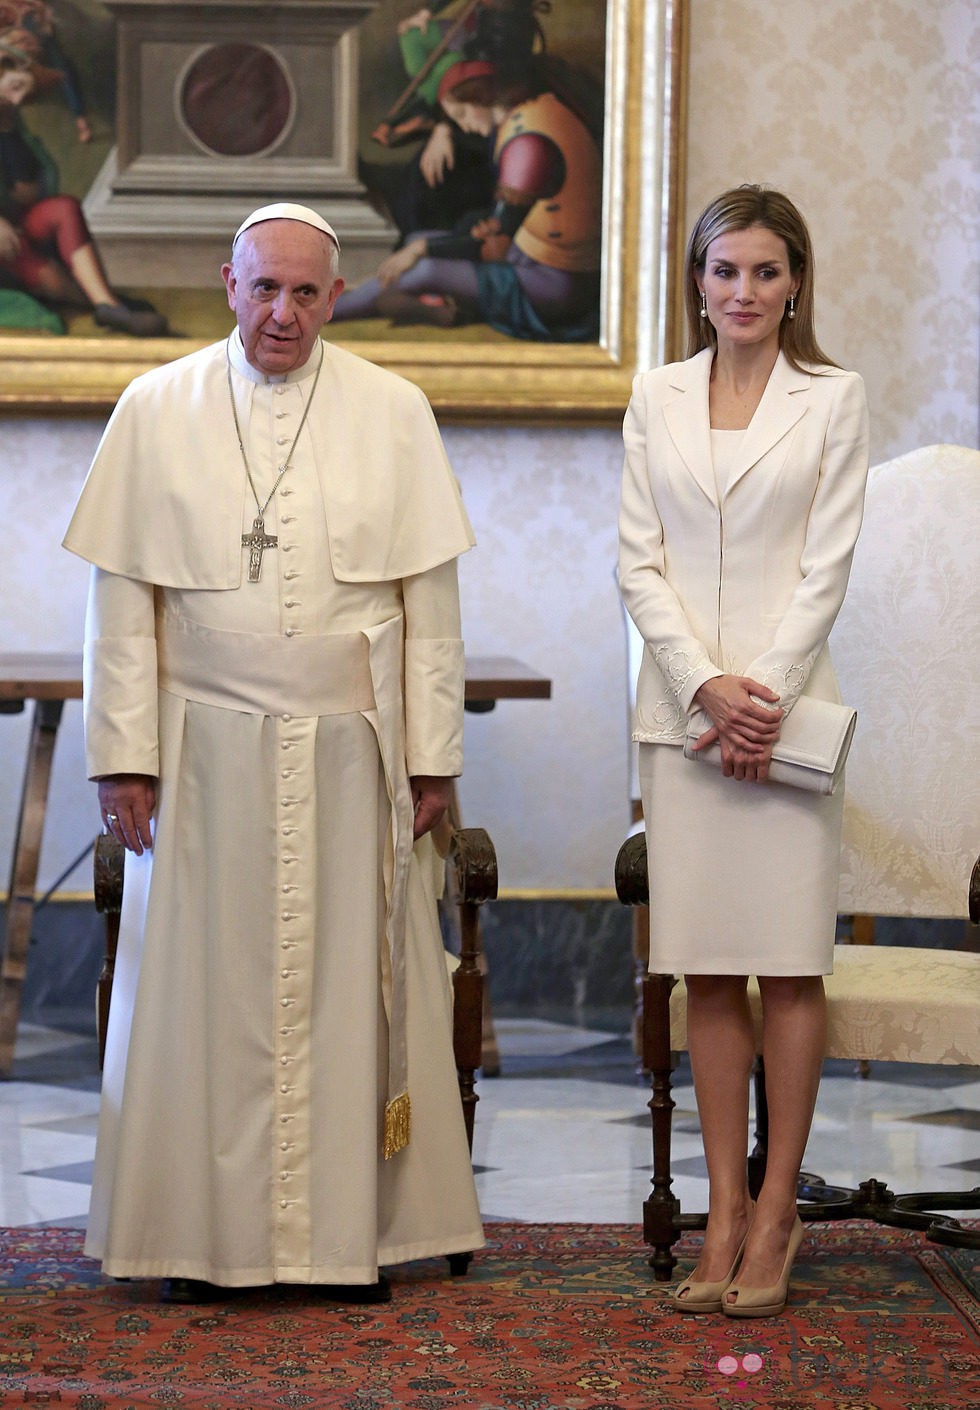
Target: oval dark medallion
(236,99)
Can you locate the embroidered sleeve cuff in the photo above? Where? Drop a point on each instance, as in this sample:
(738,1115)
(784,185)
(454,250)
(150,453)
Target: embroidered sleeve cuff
(787,679)
(685,671)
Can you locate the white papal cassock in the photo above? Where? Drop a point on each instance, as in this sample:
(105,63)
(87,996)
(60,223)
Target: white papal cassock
(280,975)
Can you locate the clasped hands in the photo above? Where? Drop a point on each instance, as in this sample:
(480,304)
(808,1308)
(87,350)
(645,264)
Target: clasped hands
(745,729)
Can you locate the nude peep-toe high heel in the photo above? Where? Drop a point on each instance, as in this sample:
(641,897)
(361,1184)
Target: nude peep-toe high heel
(770,1301)
(693,1296)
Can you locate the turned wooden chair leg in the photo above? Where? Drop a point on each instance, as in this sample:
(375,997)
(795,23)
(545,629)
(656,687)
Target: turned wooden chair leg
(108,880)
(661,1208)
(474,865)
(662,1218)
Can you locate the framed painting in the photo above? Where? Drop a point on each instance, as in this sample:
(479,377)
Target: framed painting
(169,120)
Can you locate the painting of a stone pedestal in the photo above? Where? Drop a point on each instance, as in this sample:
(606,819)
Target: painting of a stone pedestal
(222,107)
(178,117)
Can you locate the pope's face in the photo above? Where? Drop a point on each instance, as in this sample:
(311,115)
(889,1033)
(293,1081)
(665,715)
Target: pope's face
(282,289)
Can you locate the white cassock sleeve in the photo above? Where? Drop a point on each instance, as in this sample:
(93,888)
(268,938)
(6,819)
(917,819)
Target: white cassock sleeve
(434,673)
(120,677)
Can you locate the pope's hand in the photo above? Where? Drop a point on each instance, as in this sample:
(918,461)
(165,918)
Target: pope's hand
(127,802)
(430,798)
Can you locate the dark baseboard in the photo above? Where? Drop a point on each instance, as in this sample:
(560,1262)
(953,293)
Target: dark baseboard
(569,961)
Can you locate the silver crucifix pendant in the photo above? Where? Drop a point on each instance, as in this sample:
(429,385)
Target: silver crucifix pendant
(257,542)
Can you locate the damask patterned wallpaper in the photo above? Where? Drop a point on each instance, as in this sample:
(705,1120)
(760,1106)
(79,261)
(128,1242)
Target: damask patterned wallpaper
(867,115)
(865,111)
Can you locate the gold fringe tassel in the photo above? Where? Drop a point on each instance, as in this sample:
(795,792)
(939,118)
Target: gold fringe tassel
(398,1125)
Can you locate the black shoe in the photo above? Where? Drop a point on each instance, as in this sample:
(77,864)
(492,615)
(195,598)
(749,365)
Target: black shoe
(189,1291)
(358,1293)
(137,322)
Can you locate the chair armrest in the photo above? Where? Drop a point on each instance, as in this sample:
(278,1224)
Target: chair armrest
(474,862)
(632,881)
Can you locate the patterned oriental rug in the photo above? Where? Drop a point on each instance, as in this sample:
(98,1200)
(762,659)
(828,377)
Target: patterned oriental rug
(550,1317)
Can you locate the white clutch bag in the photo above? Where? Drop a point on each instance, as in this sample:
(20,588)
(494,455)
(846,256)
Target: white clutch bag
(811,749)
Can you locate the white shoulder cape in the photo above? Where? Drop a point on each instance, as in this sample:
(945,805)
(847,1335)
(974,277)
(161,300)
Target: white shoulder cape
(165,497)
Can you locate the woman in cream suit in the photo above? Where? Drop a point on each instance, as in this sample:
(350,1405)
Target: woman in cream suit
(743,491)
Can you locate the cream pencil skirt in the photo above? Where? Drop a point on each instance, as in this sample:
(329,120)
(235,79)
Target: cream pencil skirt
(743,876)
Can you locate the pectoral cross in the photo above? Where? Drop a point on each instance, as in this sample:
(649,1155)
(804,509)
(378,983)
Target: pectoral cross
(257,542)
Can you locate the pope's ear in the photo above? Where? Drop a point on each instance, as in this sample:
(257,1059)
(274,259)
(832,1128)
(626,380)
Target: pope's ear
(228,275)
(335,292)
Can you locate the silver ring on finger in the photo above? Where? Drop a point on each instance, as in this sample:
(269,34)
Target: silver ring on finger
(112,817)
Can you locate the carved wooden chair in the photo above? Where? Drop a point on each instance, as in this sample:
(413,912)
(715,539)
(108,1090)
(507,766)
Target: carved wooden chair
(471,880)
(887,1003)
(906,650)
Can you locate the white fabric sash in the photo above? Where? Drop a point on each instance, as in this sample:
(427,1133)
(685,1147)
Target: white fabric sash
(265,674)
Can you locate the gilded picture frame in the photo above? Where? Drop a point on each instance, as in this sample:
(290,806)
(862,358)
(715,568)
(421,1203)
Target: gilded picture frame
(500,381)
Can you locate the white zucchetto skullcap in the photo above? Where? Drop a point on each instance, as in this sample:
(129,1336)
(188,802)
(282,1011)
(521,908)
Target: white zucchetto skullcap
(285,210)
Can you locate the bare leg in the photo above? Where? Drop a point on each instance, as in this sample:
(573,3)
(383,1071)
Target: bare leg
(110,311)
(50,280)
(85,284)
(794,1033)
(87,271)
(722,1048)
(77,276)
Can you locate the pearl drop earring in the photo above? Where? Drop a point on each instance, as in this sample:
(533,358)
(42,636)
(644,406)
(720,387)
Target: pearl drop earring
(704,304)
(791,311)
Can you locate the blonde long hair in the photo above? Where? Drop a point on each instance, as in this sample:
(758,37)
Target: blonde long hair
(738,209)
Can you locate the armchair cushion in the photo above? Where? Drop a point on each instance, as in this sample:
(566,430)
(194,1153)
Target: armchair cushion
(889,1003)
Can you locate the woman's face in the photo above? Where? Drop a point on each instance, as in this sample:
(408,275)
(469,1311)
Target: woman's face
(16,85)
(471,117)
(746,283)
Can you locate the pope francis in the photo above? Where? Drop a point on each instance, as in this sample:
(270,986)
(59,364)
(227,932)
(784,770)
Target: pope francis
(273,710)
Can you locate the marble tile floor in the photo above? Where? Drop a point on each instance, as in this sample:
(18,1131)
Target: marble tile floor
(561,1135)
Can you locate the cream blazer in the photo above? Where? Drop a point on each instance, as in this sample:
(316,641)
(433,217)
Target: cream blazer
(749,585)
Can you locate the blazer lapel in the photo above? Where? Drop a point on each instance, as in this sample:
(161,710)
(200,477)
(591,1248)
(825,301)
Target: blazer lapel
(783,403)
(687,418)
